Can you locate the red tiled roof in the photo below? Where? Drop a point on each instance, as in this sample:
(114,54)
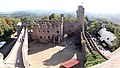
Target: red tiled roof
(70,63)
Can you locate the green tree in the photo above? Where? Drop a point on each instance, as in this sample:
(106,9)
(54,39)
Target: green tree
(1,29)
(54,17)
(9,20)
(27,21)
(110,27)
(93,59)
(45,18)
(14,23)
(94,27)
(69,17)
(7,26)
(116,42)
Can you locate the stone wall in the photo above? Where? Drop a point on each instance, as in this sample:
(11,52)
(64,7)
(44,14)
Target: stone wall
(1,60)
(51,30)
(80,16)
(25,50)
(70,27)
(46,31)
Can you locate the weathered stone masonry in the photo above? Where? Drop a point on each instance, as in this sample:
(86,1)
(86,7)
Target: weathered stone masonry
(51,31)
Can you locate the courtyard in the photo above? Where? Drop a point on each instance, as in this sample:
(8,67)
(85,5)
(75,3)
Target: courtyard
(52,55)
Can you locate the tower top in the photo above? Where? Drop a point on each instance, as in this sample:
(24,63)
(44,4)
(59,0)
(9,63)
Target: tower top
(62,15)
(80,7)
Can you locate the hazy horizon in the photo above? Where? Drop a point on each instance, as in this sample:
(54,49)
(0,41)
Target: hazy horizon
(91,6)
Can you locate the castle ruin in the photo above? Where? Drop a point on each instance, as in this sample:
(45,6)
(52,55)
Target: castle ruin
(51,31)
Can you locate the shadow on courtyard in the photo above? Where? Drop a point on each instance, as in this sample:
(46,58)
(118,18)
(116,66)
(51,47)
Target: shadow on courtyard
(61,56)
(58,58)
(38,47)
(67,53)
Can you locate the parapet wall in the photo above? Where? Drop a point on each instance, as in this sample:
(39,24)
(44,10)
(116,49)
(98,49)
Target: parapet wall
(18,40)
(25,49)
(1,60)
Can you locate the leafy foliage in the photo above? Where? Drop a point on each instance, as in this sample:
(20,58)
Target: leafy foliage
(69,17)
(110,26)
(7,26)
(45,18)
(54,17)
(93,28)
(27,21)
(116,42)
(93,59)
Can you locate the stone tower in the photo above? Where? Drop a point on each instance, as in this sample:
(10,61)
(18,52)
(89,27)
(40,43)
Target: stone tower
(62,24)
(80,17)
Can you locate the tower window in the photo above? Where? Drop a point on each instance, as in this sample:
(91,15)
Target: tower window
(48,37)
(53,26)
(56,25)
(57,31)
(69,30)
(40,37)
(48,31)
(107,38)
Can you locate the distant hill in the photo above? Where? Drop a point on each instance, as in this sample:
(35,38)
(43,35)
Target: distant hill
(35,14)
(38,14)
(111,17)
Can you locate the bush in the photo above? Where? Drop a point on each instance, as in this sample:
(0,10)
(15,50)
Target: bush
(93,59)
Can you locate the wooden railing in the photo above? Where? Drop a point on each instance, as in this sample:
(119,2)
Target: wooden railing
(90,42)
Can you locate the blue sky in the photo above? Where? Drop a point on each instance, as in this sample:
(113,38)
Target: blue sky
(93,6)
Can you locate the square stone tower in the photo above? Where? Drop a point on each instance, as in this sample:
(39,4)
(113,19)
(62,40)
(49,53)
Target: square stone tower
(62,23)
(80,17)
